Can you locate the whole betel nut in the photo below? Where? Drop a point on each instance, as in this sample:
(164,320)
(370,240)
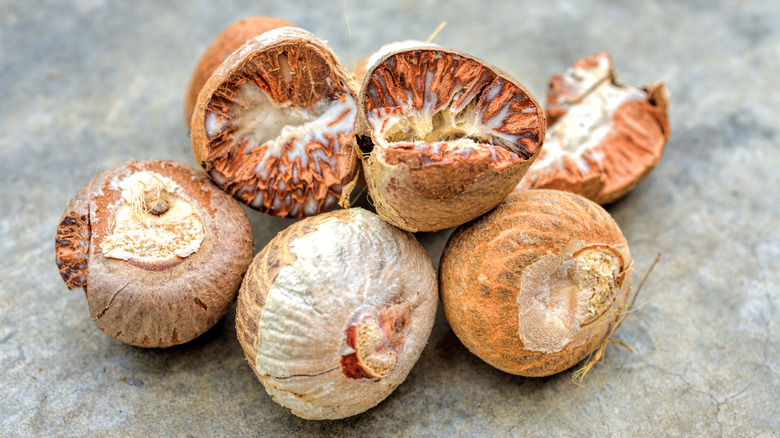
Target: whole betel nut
(604,137)
(334,312)
(274,125)
(230,39)
(159,250)
(537,284)
(444,136)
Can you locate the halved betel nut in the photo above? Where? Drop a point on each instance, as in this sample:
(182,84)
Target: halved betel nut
(274,125)
(334,312)
(444,136)
(604,137)
(159,250)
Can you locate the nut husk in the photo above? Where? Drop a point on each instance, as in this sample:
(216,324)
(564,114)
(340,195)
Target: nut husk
(151,301)
(536,285)
(334,312)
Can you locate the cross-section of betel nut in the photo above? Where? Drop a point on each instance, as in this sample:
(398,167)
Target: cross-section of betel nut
(444,136)
(334,312)
(274,125)
(159,250)
(537,284)
(604,137)
(230,39)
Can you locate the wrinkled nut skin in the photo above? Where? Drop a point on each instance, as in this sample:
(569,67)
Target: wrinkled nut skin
(631,149)
(334,312)
(423,192)
(311,73)
(223,45)
(163,303)
(510,256)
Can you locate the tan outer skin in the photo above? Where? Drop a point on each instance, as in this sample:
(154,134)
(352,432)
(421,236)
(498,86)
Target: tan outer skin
(308,87)
(486,263)
(230,39)
(155,304)
(303,291)
(418,196)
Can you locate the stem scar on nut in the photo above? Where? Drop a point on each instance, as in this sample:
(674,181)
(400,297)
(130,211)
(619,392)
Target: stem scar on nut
(604,137)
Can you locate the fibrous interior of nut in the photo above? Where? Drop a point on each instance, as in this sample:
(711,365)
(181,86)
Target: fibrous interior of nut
(152,222)
(588,120)
(561,295)
(278,127)
(448,107)
(372,347)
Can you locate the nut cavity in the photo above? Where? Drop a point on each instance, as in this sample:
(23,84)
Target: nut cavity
(446,108)
(72,249)
(152,223)
(276,125)
(562,293)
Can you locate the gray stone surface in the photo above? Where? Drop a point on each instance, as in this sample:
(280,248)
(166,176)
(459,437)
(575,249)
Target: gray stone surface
(88,84)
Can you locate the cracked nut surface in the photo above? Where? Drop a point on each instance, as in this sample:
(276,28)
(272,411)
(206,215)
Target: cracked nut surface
(536,285)
(604,137)
(159,250)
(334,312)
(443,136)
(273,126)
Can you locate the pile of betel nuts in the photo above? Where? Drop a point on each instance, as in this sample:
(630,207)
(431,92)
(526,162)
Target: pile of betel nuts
(334,312)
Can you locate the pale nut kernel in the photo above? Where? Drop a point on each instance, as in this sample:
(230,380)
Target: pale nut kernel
(604,137)
(159,250)
(334,312)
(274,125)
(444,136)
(536,285)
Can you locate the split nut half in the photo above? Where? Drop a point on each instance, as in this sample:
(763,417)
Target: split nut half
(443,136)
(604,137)
(273,125)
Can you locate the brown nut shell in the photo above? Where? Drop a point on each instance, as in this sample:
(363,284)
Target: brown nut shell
(443,135)
(274,125)
(334,312)
(160,275)
(536,285)
(230,39)
(604,137)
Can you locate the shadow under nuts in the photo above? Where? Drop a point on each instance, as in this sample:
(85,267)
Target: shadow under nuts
(159,250)
(537,284)
(334,312)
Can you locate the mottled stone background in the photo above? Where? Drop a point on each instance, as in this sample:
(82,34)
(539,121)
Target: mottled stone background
(86,85)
